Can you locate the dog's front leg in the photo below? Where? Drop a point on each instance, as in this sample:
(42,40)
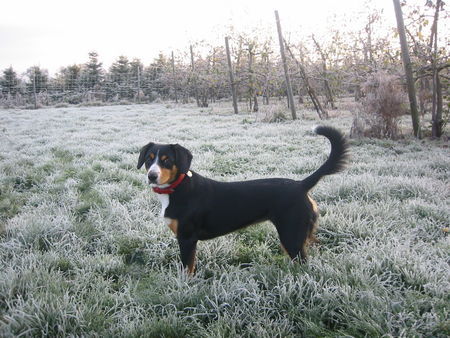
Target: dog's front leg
(187,251)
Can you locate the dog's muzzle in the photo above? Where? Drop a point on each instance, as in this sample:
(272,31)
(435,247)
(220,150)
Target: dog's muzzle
(152,177)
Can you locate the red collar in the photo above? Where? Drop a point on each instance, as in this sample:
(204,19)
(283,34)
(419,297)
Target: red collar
(171,188)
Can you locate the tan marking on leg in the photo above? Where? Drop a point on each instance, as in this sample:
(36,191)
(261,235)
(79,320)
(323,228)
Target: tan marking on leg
(312,239)
(173,225)
(313,204)
(311,236)
(191,265)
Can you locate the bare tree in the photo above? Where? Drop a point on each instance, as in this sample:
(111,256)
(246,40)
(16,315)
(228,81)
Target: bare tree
(436,112)
(328,92)
(174,83)
(194,77)
(311,92)
(252,95)
(230,72)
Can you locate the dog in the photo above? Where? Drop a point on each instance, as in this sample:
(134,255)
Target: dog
(198,208)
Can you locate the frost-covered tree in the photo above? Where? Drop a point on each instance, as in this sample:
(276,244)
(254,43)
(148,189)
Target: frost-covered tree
(92,73)
(69,78)
(37,79)
(119,70)
(9,81)
(157,77)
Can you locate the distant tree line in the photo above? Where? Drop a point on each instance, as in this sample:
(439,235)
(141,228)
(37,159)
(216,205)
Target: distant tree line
(340,63)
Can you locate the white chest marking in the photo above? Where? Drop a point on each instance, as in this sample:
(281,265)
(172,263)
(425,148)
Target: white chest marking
(164,199)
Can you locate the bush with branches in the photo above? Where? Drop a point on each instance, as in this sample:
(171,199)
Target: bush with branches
(383,104)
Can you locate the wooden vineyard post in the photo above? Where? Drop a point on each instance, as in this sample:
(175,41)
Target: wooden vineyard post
(286,72)
(408,69)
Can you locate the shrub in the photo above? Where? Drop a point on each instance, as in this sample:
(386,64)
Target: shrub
(383,105)
(274,117)
(74,98)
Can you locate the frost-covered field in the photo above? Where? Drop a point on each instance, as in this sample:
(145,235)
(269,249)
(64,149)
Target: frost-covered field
(83,253)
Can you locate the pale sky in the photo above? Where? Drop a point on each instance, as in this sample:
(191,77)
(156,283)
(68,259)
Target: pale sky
(56,33)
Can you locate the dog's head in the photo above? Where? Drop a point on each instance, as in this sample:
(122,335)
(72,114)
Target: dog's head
(164,162)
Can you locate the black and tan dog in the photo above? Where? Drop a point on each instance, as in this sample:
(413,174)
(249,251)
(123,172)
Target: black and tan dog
(198,208)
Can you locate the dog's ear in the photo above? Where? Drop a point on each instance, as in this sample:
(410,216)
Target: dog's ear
(144,151)
(183,158)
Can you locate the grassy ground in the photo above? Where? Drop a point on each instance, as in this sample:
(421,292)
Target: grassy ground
(82,251)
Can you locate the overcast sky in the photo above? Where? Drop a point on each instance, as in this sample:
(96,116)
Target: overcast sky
(56,33)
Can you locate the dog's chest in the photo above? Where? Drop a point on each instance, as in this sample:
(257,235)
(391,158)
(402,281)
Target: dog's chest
(164,199)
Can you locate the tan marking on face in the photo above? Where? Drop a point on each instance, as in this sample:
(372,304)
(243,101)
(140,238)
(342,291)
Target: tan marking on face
(173,225)
(152,156)
(168,175)
(164,157)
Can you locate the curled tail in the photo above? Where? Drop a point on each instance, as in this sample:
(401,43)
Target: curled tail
(335,162)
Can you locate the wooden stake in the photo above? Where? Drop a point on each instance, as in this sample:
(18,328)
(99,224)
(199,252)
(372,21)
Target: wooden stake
(286,72)
(408,69)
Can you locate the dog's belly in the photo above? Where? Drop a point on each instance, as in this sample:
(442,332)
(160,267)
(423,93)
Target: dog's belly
(219,227)
(217,222)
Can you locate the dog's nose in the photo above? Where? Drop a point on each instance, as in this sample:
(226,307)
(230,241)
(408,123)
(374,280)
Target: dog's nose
(152,177)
